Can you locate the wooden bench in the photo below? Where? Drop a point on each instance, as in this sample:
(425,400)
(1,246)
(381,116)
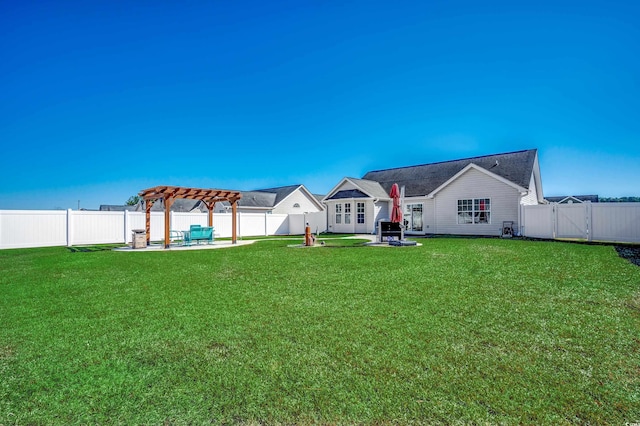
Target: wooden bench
(198,233)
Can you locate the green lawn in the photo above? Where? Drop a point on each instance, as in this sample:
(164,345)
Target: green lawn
(458,330)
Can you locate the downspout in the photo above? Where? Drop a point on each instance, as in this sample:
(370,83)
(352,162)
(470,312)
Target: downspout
(326,213)
(520,207)
(373,219)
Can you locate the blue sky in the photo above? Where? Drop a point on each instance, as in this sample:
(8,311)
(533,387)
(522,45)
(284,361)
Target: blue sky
(101,99)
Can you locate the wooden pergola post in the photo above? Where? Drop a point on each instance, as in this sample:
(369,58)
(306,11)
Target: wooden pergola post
(211,205)
(167,221)
(169,193)
(147,219)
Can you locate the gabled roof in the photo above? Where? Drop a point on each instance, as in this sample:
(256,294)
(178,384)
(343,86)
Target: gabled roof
(473,166)
(257,199)
(271,197)
(280,193)
(365,188)
(348,193)
(575,198)
(516,167)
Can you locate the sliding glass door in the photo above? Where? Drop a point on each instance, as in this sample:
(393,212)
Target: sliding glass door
(413,217)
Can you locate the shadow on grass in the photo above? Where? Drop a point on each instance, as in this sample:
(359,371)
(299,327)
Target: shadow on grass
(95,248)
(632,254)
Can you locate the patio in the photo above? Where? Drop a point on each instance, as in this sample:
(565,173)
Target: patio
(167,194)
(179,247)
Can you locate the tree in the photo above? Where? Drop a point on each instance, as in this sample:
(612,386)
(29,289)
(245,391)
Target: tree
(133,200)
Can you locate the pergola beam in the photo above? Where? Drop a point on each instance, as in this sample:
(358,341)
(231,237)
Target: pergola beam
(169,193)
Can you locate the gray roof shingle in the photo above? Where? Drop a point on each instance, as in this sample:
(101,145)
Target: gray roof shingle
(280,192)
(117,208)
(348,193)
(421,180)
(371,187)
(178,205)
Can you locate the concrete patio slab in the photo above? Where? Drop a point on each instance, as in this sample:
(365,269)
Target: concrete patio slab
(160,247)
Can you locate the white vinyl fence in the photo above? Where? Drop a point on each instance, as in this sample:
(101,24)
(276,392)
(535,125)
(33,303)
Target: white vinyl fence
(46,228)
(609,222)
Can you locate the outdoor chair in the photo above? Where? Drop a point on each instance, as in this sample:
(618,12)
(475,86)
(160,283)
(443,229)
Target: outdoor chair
(507,229)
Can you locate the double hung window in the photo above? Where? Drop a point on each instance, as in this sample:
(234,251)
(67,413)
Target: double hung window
(360,212)
(474,210)
(338,213)
(347,213)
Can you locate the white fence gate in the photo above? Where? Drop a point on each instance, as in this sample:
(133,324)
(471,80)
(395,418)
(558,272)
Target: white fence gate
(47,228)
(611,222)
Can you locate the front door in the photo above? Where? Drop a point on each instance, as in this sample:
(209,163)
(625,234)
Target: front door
(413,218)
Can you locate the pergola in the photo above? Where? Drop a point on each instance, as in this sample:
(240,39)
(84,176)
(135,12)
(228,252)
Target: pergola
(170,193)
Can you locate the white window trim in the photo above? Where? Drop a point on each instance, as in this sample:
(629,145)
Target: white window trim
(360,214)
(347,213)
(473,211)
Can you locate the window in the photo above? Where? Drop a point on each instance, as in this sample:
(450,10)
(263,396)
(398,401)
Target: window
(360,212)
(476,210)
(347,213)
(413,217)
(296,206)
(338,213)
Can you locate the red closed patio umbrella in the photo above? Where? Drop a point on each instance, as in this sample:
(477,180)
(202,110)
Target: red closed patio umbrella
(396,210)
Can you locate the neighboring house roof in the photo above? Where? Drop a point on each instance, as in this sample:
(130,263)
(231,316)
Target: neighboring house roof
(318,197)
(116,208)
(178,205)
(257,199)
(574,198)
(269,198)
(516,167)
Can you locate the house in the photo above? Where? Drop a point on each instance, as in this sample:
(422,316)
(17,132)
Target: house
(471,196)
(116,208)
(292,199)
(570,199)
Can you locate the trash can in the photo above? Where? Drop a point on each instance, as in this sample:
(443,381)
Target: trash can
(138,238)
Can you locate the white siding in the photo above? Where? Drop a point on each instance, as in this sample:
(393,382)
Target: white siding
(348,185)
(429,215)
(475,184)
(297,197)
(347,228)
(381,211)
(532,197)
(372,213)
